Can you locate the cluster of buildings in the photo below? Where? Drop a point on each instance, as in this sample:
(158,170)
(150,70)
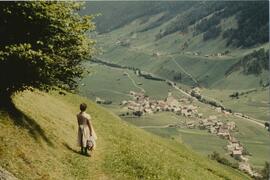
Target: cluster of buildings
(143,104)
(195,92)
(223,130)
(123,42)
(156,54)
(99,100)
(193,53)
(215,126)
(234,147)
(220,54)
(237,151)
(245,166)
(102,101)
(197,53)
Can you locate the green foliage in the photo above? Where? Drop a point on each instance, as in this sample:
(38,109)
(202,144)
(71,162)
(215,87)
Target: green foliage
(129,11)
(251,15)
(216,156)
(212,33)
(254,17)
(179,24)
(42,45)
(191,15)
(157,23)
(204,25)
(183,20)
(235,95)
(253,63)
(266,171)
(138,113)
(177,77)
(104,102)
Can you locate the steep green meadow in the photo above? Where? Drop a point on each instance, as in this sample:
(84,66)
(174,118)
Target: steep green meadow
(40,143)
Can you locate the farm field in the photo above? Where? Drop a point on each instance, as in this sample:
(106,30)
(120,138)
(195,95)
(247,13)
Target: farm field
(195,139)
(255,139)
(112,84)
(254,104)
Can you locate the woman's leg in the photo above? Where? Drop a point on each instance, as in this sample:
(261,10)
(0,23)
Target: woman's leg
(82,148)
(85,151)
(82,152)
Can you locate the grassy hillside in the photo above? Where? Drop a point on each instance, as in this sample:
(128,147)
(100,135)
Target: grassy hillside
(207,19)
(209,71)
(133,10)
(184,51)
(254,104)
(39,142)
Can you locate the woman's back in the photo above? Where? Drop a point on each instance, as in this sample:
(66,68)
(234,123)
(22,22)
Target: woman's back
(83,118)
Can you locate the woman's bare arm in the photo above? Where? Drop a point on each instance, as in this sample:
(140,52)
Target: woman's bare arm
(90,127)
(78,122)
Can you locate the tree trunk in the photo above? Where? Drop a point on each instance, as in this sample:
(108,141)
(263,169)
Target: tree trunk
(5,99)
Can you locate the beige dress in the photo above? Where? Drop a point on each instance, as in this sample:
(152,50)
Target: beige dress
(83,130)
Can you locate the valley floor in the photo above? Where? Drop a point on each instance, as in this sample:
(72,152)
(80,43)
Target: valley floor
(113,84)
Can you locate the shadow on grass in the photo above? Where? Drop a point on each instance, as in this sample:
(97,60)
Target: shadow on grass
(71,149)
(22,120)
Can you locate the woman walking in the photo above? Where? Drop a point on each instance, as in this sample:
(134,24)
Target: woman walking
(86,134)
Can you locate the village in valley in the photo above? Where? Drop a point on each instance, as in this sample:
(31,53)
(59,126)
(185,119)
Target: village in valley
(141,104)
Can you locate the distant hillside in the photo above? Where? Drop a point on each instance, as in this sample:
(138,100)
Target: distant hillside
(205,16)
(253,63)
(39,142)
(117,14)
(191,43)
